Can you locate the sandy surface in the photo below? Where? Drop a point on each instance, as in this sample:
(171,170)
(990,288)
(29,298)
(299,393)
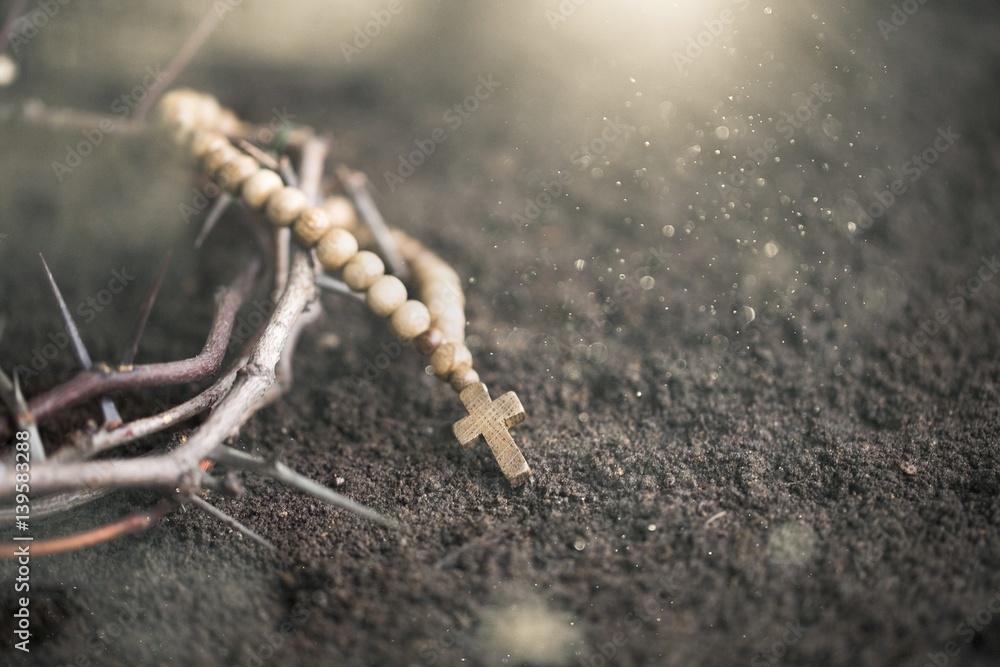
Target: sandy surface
(763,424)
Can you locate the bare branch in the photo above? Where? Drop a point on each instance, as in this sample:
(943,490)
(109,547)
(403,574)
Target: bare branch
(103,380)
(179,470)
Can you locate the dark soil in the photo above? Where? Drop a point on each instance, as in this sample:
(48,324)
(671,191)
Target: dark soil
(763,428)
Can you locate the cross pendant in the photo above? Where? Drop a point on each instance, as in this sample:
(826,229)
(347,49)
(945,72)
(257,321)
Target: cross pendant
(491,419)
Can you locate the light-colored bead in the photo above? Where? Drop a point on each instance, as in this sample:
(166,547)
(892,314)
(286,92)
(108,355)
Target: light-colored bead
(174,107)
(336,248)
(219,158)
(429,341)
(258,188)
(234,173)
(448,357)
(386,295)
(451,321)
(285,205)
(310,226)
(206,111)
(410,320)
(204,142)
(363,270)
(229,123)
(462,377)
(341,212)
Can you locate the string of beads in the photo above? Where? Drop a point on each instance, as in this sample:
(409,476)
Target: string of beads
(435,321)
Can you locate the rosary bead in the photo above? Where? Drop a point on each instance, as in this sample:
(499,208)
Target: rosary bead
(410,320)
(258,188)
(462,377)
(310,226)
(173,109)
(451,321)
(285,205)
(363,270)
(234,173)
(448,357)
(220,157)
(336,248)
(386,295)
(206,111)
(429,341)
(204,142)
(341,212)
(228,123)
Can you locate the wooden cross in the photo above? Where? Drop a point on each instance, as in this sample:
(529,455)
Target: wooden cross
(491,419)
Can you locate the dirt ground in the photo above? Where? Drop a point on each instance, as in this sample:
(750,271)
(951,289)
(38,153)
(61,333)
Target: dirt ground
(745,292)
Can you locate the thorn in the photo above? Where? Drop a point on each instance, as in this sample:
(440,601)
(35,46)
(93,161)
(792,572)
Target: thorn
(147,308)
(218,208)
(287,172)
(10,393)
(111,416)
(266,159)
(74,334)
(282,473)
(324,281)
(214,511)
(356,183)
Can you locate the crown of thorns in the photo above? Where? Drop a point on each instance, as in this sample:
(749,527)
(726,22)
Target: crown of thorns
(311,239)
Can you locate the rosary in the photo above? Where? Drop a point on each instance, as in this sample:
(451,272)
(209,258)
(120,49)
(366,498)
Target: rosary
(312,236)
(435,321)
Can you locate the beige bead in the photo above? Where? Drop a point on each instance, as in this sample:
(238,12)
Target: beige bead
(363,270)
(219,158)
(258,188)
(410,320)
(386,295)
(174,108)
(234,173)
(429,341)
(229,123)
(341,212)
(204,142)
(451,321)
(310,226)
(188,111)
(285,205)
(336,248)
(206,111)
(448,357)
(462,377)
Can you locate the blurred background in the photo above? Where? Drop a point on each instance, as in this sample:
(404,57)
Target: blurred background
(710,244)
